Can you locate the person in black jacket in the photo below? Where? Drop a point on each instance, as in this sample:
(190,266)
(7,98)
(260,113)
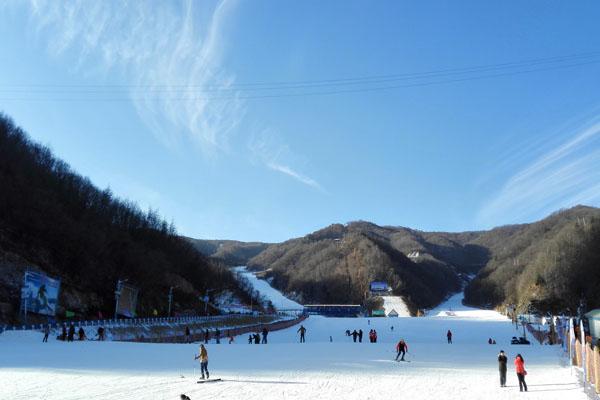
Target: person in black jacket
(71,334)
(360,333)
(502,359)
(354,335)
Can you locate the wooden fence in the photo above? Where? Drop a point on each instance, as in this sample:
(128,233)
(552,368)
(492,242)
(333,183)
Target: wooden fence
(592,358)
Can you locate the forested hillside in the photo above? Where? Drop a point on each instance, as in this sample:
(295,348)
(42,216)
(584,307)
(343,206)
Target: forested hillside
(230,252)
(336,265)
(56,221)
(549,264)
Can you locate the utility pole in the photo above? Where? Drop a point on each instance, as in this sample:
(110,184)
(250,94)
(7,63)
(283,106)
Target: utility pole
(170,300)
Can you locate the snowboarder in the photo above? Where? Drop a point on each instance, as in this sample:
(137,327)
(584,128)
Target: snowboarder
(360,335)
(71,334)
(354,335)
(502,359)
(265,333)
(521,372)
(401,349)
(46,333)
(206,336)
(203,356)
(302,331)
(449,336)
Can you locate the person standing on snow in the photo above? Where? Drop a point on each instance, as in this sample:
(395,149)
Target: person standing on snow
(520,367)
(354,335)
(206,336)
(71,334)
(265,333)
(502,360)
(203,356)
(46,333)
(401,349)
(449,336)
(360,334)
(302,331)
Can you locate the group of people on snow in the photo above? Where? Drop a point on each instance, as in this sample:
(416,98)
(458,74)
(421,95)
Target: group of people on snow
(255,338)
(355,335)
(519,368)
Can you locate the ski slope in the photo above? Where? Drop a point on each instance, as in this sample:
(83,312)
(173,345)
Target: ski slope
(328,366)
(280,302)
(395,303)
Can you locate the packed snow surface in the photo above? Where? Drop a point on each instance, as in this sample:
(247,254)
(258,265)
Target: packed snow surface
(395,303)
(284,368)
(280,302)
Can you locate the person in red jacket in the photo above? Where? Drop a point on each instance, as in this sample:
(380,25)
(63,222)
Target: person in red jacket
(520,367)
(401,349)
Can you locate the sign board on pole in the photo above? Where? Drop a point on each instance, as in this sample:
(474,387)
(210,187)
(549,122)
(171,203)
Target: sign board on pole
(39,294)
(127,300)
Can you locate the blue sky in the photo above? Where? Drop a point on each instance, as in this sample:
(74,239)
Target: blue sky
(266,120)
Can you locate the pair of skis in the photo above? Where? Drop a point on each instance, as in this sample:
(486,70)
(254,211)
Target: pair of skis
(209,380)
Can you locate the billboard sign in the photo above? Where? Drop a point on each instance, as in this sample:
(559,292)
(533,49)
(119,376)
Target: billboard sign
(127,299)
(379,287)
(39,294)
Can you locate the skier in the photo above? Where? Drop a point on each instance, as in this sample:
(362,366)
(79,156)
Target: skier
(502,368)
(265,333)
(360,335)
(449,336)
(81,333)
(354,335)
(302,331)
(401,349)
(206,336)
(203,356)
(46,333)
(101,333)
(520,367)
(71,334)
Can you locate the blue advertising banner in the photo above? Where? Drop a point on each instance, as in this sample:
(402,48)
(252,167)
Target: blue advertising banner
(39,294)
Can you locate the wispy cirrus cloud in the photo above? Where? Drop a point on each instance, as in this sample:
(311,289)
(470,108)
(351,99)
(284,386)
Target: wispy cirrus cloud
(269,151)
(167,52)
(564,176)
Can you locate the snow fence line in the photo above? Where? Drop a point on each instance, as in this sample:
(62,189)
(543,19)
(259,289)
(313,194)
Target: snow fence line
(583,354)
(198,334)
(129,322)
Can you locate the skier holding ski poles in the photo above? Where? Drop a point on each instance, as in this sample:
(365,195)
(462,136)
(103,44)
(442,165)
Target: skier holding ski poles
(401,349)
(302,331)
(203,356)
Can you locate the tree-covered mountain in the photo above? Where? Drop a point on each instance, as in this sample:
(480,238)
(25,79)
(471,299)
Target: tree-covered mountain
(549,264)
(230,252)
(56,221)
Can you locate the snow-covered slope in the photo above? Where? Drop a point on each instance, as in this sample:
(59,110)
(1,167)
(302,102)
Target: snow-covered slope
(280,302)
(317,369)
(453,307)
(395,303)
